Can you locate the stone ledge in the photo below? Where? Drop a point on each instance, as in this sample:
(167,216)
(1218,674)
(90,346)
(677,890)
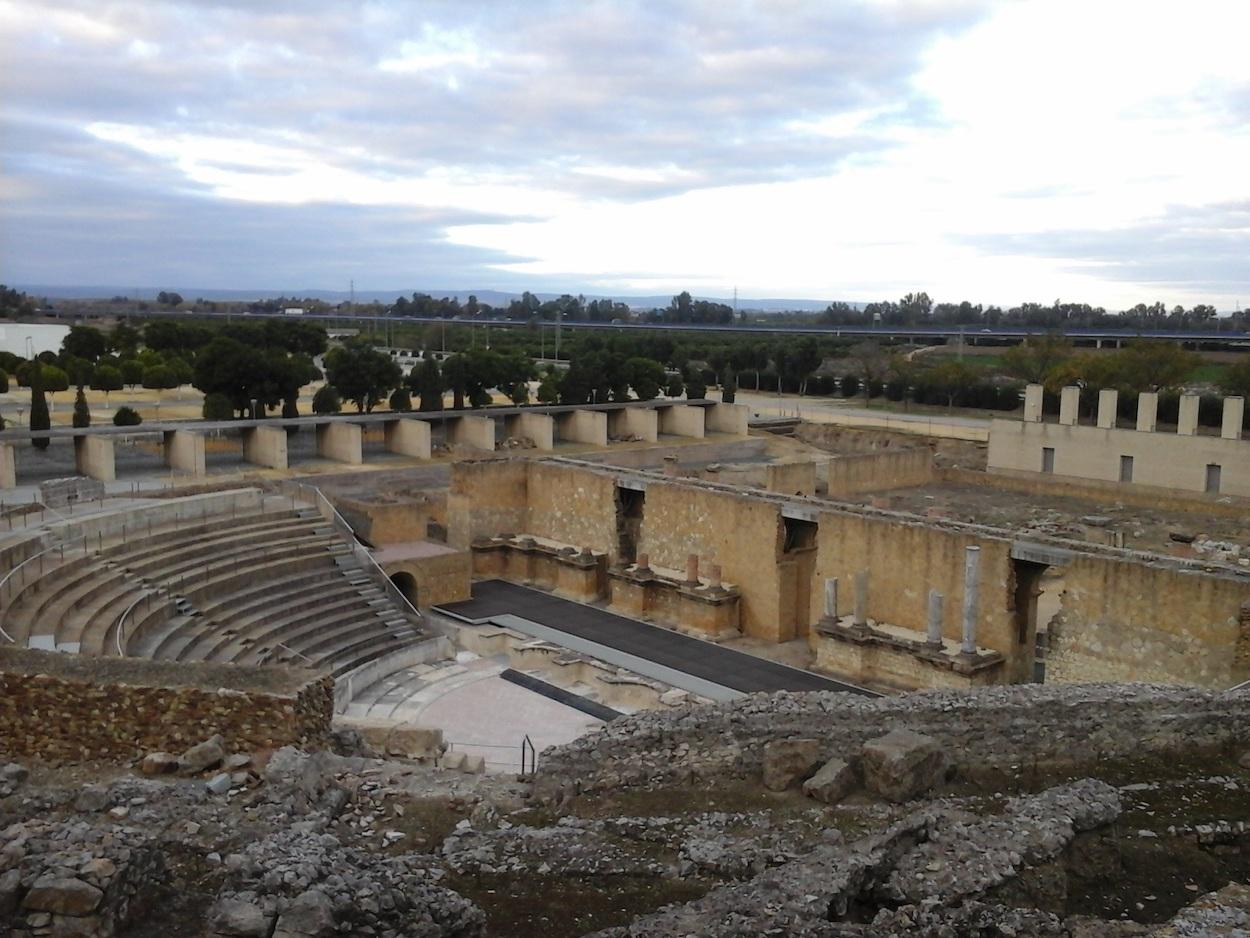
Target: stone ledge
(947,656)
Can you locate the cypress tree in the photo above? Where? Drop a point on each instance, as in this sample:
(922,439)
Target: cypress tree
(39,418)
(82,413)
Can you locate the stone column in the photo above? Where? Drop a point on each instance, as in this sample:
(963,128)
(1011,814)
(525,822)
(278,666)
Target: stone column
(642,422)
(861,599)
(1033,403)
(972,581)
(831,598)
(726,418)
(692,569)
(681,420)
(1069,405)
(8,466)
(714,576)
(341,441)
(583,426)
(1147,411)
(670,466)
(934,634)
(1187,416)
(538,428)
(1108,404)
(1234,414)
(473,432)
(265,446)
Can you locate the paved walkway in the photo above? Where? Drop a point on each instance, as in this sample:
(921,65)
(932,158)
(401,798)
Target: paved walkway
(495,600)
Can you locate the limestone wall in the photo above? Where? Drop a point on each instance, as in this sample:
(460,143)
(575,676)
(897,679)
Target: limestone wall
(65,708)
(1122,621)
(874,472)
(572,506)
(1018,729)
(486,497)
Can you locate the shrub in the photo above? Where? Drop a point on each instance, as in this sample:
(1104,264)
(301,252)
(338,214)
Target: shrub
(217,407)
(327,401)
(127,417)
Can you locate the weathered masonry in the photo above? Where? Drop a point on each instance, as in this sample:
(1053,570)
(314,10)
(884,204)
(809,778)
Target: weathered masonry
(1124,615)
(1183,461)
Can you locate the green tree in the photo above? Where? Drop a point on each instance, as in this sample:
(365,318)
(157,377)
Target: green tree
(696,387)
(327,401)
(84,342)
(1038,359)
(217,407)
(455,374)
(82,413)
(159,378)
(4,381)
(549,388)
(950,377)
(1155,365)
(728,386)
(361,374)
(1235,382)
(676,387)
(54,379)
(400,400)
(427,381)
(123,339)
(520,393)
(126,417)
(40,419)
(646,377)
(132,372)
(237,371)
(106,378)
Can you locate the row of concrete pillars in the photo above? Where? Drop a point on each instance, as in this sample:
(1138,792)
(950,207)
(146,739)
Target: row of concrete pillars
(933,634)
(342,440)
(1147,410)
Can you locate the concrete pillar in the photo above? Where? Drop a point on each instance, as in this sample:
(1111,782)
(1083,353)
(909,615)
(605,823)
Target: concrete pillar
(184,451)
(726,418)
(641,422)
(474,432)
(671,469)
(972,582)
(933,634)
(540,428)
(1147,411)
(265,446)
(1234,414)
(1108,405)
(831,598)
(692,569)
(681,420)
(93,457)
(1033,403)
(861,598)
(408,437)
(340,441)
(1187,415)
(583,426)
(8,466)
(1069,405)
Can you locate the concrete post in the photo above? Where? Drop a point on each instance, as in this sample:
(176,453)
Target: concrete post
(94,458)
(861,598)
(341,441)
(933,636)
(265,446)
(1187,415)
(831,598)
(408,437)
(1108,406)
(714,577)
(1234,414)
(474,432)
(681,420)
(8,466)
(670,466)
(640,422)
(583,426)
(184,451)
(539,428)
(972,582)
(726,418)
(1033,403)
(1069,406)
(644,563)
(692,569)
(1147,411)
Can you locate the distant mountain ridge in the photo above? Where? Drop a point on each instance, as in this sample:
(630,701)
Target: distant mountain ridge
(493,297)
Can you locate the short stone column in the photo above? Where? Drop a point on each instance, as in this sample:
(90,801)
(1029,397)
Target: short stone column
(265,446)
(1187,415)
(861,599)
(341,441)
(692,569)
(1033,403)
(1234,416)
(831,598)
(1108,407)
(473,432)
(8,466)
(539,429)
(583,426)
(1070,405)
(408,437)
(972,583)
(1147,411)
(681,420)
(933,635)
(184,451)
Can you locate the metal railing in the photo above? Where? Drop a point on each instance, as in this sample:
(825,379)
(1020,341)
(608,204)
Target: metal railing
(529,755)
(362,553)
(6,588)
(120,630)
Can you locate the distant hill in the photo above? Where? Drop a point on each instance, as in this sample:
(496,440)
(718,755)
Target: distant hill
(493,297)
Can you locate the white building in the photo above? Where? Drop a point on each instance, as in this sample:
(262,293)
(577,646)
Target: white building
(28,339)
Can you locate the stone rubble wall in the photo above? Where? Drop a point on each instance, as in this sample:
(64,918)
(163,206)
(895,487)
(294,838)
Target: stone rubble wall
(62,708)
(1005,728)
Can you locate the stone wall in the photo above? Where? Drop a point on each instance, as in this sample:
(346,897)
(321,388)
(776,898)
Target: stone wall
(1147,622)
(486,497)
(392,522)
(876,472)
(64,708)
(572,506)
(1014,729)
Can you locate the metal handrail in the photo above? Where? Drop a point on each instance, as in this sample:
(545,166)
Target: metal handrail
(527,746)
(47,550)
(121,620)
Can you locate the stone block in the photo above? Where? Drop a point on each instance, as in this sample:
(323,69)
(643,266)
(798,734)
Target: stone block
(92,798)
(237,919)
(311,915)
(787,761)
(62,896)
(903,764)
(454,760)
(207,755)
(474,765)
(832,782)
(159,763)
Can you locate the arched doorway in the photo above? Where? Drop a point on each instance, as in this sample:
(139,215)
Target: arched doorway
(406,583)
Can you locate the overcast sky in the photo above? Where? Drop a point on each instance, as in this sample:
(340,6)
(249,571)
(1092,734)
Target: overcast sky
(1089,150)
